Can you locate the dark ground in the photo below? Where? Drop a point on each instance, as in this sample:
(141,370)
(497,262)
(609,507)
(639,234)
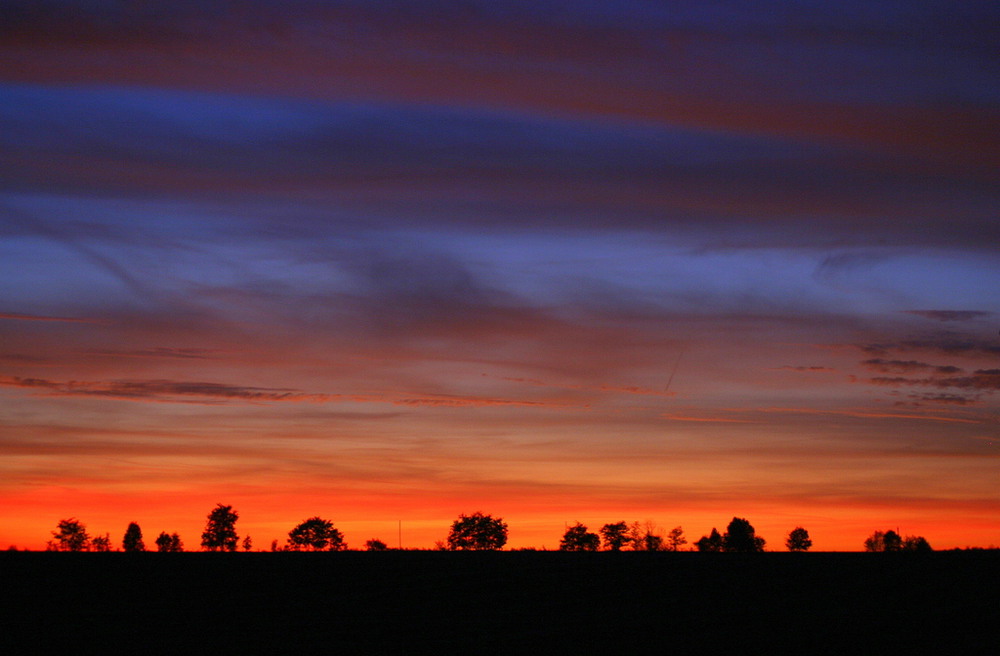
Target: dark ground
(511,602)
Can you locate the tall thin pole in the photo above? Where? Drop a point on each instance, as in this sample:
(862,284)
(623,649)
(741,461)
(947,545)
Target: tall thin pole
(400,535)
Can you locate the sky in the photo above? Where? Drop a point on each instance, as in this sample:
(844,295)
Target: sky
(387,262)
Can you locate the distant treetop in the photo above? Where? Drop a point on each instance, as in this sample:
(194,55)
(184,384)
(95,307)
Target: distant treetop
(220,530)
(477,532)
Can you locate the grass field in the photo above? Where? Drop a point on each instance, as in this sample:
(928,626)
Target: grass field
(492,603)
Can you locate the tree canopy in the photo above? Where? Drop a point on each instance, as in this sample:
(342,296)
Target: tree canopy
(101,543)
(891,541)
(884,541)
(578,538)
(798,540)
(169,543)
(133,538)
(615,536)
(710,543)
(316,534)
(477,532)
(71,536)
(916,543)
(740,537)
(220,530)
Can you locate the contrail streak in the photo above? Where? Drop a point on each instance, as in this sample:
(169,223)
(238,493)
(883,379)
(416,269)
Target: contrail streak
(674,372)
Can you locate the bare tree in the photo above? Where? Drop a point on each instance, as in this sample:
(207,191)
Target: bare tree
(676,539)
(644,537)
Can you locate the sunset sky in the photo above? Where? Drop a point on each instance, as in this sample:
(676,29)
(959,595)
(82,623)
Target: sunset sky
(558,261)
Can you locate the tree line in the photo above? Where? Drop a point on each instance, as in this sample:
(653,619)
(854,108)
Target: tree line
(475,532)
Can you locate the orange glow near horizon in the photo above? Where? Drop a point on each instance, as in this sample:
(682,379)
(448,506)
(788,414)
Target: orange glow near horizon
(534,520)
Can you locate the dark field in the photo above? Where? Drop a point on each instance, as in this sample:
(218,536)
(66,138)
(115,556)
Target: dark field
(513,602)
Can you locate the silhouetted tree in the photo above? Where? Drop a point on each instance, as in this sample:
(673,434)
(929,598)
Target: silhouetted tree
(676,539)
(798,540)
(133,538)
(376,545)
(710,543)
(916,544)
(220,531)
(477,532)
(634,536)
(101,543)
(247,543)
(875,542)
(316,534)
(615,536)
(274,545)
(169,543)
(71,536)
(741,538)
(652,542)
(577,538)
(643,537)
(884,542)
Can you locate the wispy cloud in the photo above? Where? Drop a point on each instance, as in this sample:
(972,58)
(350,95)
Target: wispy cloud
(982,379)
(944,399)
(951,315)
(707,420)
(35,317)
(872,414)
(613,389)
(807,369)
(907,366)
(155,389)
(948,343)
(161,352)
(202,392)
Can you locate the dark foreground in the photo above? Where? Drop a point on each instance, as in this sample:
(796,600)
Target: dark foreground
(492,603)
